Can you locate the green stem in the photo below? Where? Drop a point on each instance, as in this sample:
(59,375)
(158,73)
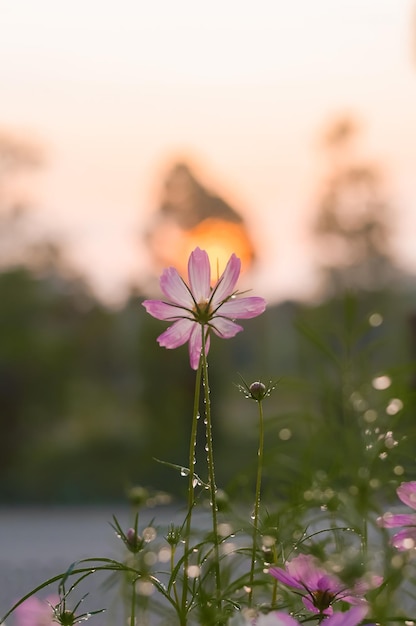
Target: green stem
(364,538)
(255,516)
(133,604)
(211,471)
(172,565)
(191,490)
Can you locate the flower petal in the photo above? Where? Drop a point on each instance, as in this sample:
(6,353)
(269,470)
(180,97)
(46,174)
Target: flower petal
(390,520)
(35,611)
(225,328)
(407,493)
(285,578)
(276,618)
(177,334)
(199,272)
(405,539)
(328,583)
(306,569)
(164,311)
(243,308)
(353,599)
(311,607)
(362,586)
(227,281)
(195,345)
(175,289)
(349,618)
(195,304)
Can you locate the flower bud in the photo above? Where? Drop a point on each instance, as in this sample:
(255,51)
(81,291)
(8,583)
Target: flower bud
(174,535)
(258,390)
(133,541)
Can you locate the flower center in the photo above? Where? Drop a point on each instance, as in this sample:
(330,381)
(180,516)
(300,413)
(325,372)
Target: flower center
(67,618)
(322,599)
(202,312)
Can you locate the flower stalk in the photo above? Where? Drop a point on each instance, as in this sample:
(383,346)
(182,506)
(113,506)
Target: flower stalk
(260,455)
(132,621)
(191,487)
(211,470)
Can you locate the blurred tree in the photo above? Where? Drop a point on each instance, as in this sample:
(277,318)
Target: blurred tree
(353,227)
(17,158)
(190,215)
(16,155)
(69,389)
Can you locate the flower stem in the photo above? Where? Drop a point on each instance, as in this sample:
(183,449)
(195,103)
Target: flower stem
(255,516)
(191,487)
(364,538)
(211,471)
(133,604)
(172,567)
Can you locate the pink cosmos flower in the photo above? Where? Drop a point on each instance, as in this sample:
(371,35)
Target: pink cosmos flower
(406,538)
(320,588)
(276,618)
(35,612)
(196,306)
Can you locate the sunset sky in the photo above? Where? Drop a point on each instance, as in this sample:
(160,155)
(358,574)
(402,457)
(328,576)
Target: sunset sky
(115,90)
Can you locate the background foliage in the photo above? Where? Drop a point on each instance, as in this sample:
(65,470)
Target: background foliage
(88,399)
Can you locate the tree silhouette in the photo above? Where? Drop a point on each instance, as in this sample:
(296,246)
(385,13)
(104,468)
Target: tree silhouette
(17,158)
(353,226)
(190,214)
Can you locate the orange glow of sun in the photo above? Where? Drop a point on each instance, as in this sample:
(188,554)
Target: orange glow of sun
(220,238)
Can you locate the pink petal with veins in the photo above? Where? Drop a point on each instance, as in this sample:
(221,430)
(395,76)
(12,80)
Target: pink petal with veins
(175,289)
(195,345)
(177,334)
(225,328)
(227,281)
(164,311)
(242,308)
(199,272)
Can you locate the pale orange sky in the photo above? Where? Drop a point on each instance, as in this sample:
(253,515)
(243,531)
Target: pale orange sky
(115,90)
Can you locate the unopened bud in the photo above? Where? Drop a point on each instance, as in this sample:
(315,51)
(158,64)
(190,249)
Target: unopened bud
(268,555)
(174,535)
(133,541)
(258,390)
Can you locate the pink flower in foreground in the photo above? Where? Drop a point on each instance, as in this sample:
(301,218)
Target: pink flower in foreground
(404,539)
(320,588)
(35,612)
(276,618)
(197,305)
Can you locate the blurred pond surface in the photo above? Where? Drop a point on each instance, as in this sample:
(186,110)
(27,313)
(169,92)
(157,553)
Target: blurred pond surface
(38,543)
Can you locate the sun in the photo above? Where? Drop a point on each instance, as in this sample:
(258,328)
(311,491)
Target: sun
(220,238)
